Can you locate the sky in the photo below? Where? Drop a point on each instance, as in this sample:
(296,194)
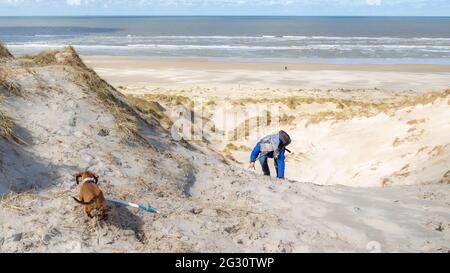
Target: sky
(225,7)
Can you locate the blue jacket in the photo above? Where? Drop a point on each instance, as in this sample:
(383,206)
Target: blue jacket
(280,160)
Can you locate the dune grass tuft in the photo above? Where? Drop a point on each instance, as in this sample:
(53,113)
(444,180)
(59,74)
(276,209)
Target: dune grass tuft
(446,178)
(4,52)
(233,147)
(45,58)
(151,108)
(7,84)
(287,120)
(386,182)
(171,99)
(372,109)
(415,121)
(348,109)
(328,115)
(67,56)
(292,102)
(230,148)
(7,127)
(211,103)
(125,120)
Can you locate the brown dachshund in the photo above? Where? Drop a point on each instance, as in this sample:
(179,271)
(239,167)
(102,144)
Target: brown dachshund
(90,194)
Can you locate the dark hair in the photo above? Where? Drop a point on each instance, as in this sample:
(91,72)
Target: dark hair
(285,139)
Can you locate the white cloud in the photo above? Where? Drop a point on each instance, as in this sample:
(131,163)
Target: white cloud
(373,2)
(218,3)
(73,2)
(11,2)
(300,7)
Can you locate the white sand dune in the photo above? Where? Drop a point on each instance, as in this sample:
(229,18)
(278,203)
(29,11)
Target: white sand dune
(69,120)
(404,146)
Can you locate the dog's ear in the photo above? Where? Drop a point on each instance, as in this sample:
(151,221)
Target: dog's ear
(96,178)
(77,178)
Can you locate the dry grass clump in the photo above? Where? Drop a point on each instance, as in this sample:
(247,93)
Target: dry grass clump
(296,156)
(185,104)
(4,52)
(211,103)
(125,120)
(7,132)
(230,148)
(151,108)
(403,172)
(347,109)
(67,56)
(7,127)
(294,101)
(45,58)
(446,178)
(330,115)
(415,121)
(386,182)
(421,99)
(287,120)
(8,85)
(171,99)
(414,135)
(372,109)
(437,150)
(21,202)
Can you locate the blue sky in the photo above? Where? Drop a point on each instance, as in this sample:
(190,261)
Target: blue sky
(225,7)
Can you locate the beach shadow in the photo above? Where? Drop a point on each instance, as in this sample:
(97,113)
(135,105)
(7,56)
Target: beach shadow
(124,219)
(21,170)
(189,181)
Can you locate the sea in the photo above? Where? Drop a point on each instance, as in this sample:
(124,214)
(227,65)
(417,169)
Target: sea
(361,40)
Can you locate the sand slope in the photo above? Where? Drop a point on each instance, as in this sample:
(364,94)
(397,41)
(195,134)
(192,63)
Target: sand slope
(400,143)
(345,137)
(67,126)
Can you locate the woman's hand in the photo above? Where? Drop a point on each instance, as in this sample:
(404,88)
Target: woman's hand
(252,166)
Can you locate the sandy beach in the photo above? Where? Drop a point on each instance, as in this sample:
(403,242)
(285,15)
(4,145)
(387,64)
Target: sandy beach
(145,74)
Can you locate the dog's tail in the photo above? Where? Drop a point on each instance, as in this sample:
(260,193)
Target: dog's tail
(85,203)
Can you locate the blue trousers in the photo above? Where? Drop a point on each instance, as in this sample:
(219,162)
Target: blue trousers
(264,165)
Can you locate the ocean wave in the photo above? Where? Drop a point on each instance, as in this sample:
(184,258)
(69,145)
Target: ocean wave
(242,47)
(260,37)
(287,38)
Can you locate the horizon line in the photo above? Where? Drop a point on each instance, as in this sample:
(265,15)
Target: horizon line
(218,15)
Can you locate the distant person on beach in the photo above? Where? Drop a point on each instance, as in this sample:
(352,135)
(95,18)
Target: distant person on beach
(271,146)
